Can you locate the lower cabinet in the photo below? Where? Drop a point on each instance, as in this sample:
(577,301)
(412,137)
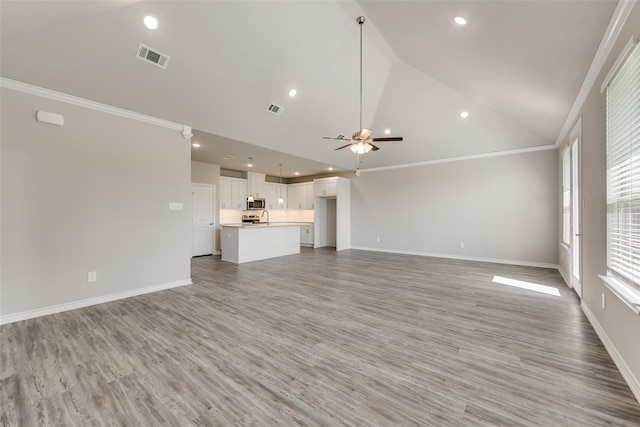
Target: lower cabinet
(306,234)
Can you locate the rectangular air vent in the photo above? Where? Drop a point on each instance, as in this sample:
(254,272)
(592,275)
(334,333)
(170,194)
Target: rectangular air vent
(151,55)
(275,109)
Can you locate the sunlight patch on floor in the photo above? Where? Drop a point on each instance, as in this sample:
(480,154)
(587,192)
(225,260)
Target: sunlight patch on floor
(549,290)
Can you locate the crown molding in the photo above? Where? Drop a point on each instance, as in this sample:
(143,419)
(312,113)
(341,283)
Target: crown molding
(92,105)
(619,17)
(463,158)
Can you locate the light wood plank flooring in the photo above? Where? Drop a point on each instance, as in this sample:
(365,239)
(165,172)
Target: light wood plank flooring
(320,339)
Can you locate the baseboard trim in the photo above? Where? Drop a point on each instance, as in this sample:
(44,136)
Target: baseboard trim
(564,276)
(39,312)
(460,257)
(632,382)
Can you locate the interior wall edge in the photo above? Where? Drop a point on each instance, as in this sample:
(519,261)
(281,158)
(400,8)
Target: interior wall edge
(609,38)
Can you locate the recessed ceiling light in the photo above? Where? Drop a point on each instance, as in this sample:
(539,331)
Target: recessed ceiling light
(150,21)
(292,93)
(330,168)
(296,173)
(460,20)
(387,131)
(228,157)
(195,144)
(464,114)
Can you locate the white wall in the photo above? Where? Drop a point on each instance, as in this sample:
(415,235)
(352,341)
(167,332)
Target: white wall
(620,325)
(92,195)
(502,208)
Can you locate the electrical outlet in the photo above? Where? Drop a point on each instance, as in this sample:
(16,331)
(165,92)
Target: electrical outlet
(604,302)
(461,245)
(92,276)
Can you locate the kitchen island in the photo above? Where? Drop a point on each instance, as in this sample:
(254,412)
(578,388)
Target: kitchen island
(252,242)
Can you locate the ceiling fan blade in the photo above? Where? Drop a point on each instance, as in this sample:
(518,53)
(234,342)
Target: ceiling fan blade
(344,146)
(373,147)
(335,139)
(364,134)
(387,139)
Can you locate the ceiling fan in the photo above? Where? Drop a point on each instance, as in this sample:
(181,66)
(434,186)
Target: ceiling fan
(361,141)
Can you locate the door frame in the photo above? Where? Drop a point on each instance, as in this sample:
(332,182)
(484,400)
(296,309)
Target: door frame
(577,204)
(213,214)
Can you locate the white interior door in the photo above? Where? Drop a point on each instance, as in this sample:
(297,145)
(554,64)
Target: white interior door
(576,220)
(202,196)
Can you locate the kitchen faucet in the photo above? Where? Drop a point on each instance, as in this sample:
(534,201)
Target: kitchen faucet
(266,212)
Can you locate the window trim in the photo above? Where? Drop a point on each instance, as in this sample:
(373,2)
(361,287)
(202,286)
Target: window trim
(627,289)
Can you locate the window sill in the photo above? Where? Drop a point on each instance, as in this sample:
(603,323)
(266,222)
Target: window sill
(627,293)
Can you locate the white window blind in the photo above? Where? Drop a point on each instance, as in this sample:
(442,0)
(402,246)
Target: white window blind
(623,170)
(566,196)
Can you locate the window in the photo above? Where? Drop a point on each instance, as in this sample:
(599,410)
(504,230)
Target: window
(623,170)
(566,196)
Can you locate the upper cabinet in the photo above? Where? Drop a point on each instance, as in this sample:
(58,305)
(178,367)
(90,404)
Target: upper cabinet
(272,192)
(233,193)
(326,187)
(300,196)
(257,184)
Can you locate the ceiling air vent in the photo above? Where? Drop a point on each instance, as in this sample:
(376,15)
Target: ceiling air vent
(151,55)
(275,109)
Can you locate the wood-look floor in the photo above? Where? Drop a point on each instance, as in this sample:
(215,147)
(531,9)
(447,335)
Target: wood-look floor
(320,339)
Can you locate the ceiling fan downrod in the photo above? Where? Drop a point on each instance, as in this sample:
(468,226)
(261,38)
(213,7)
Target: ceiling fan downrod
(360,21)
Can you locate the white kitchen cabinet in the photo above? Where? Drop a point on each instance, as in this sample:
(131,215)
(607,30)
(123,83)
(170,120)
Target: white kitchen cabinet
(300,196)
(306,234)
(271,194)
(233,193)
(258,185)
(326,187)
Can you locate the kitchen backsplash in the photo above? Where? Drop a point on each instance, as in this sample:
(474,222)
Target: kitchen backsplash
(234,216)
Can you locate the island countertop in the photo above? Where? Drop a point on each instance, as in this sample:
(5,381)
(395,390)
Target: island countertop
(262,224)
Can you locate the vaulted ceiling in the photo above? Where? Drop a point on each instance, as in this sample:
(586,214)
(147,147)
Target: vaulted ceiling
(516,67)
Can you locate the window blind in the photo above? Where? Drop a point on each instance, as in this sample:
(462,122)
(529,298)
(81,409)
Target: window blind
(566,196)
(623,170)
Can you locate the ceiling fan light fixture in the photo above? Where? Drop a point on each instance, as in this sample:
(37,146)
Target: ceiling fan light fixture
(360,147)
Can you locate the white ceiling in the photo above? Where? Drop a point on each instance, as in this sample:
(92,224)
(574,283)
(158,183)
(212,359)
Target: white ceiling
(516,67)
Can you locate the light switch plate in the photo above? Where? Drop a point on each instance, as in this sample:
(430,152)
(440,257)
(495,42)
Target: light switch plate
(92,276)
(175,206)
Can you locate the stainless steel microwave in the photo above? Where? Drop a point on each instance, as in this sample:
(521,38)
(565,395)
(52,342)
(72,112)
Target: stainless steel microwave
(257,204)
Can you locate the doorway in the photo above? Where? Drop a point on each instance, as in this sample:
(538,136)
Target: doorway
(203,219)
(576,205)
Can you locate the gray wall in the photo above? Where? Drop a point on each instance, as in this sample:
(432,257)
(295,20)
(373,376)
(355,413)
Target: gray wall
(207,173)
(619,323)
(502,208)
(92,195)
